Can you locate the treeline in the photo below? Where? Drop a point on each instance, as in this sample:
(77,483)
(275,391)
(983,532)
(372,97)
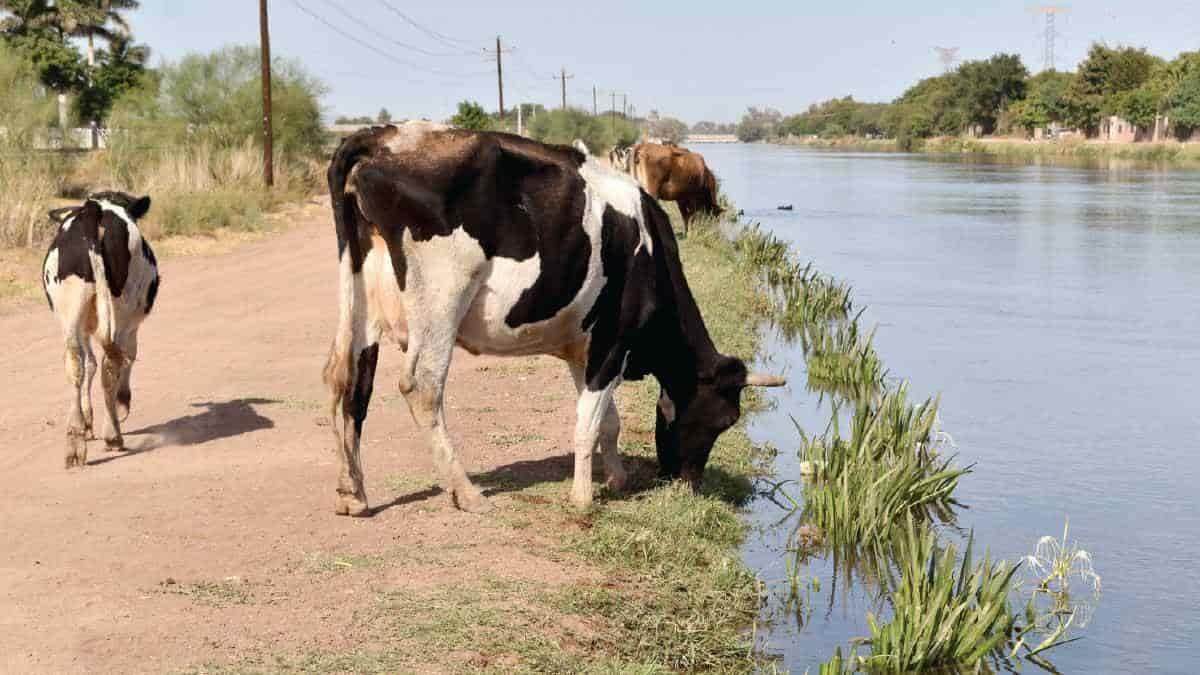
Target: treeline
(600,132)
(999,96)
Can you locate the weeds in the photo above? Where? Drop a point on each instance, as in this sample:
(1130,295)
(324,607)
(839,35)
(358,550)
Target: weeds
(843,362)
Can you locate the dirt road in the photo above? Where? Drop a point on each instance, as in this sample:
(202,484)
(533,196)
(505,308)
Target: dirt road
(214,537)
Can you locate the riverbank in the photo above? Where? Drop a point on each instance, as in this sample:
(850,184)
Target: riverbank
(1066,150)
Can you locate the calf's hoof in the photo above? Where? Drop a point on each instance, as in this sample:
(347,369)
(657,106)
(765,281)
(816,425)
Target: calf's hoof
(124,401)
(471,500)
(76,449)
(114,445)
(351,505)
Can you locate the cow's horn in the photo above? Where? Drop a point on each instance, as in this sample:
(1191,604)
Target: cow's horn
(765,380)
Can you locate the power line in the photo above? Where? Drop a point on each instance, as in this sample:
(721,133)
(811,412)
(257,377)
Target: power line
(384,36)
(445,39)
(367,45)
(563,77)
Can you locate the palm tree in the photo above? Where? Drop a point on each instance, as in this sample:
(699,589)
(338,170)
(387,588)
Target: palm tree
(93,19)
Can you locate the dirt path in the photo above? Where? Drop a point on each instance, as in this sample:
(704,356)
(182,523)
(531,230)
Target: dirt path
(214,537)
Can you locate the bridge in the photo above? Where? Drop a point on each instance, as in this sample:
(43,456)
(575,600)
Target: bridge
(711,138)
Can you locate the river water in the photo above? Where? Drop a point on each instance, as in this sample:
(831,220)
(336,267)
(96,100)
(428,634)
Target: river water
(1055,309)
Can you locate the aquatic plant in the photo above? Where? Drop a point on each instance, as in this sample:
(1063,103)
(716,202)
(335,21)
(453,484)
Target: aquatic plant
(842,361)
(1052,566)
(949,614)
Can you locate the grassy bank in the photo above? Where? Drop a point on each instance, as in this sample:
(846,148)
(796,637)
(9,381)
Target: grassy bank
(1066,150)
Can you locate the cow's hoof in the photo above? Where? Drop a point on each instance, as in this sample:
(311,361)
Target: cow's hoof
(351,505)
(471,500)
(616,482)
(114,445)
(581,502)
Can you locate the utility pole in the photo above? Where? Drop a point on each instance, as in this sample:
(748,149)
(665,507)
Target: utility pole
(625,106)
(564,77)
(948,56)
(500,73)
(268,134)
(613,113)
(594,110)
(1051,33)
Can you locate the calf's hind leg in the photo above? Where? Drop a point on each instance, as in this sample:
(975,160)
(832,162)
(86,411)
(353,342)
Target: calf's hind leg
(74,358)
(112,363)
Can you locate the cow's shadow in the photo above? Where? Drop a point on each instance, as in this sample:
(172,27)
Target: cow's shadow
(641,473)
(217,420)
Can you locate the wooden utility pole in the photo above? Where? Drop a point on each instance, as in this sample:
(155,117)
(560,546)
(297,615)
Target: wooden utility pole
(612,113)
(625,106)
(594,110)
(564,77)
(500,73)
(268,134)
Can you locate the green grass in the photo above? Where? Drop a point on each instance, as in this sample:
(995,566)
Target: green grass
(843,362)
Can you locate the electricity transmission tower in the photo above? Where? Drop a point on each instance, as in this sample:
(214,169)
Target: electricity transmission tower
(948,56)
(1051,33)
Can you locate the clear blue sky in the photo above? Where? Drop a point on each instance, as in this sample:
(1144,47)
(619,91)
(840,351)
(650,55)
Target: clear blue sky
(694,60)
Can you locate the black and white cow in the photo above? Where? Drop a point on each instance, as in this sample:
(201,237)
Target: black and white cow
(100,278)
(507,246)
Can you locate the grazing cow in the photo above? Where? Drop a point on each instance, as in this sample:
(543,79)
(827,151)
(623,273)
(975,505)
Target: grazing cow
(669,172)
(508,246)
(100,278)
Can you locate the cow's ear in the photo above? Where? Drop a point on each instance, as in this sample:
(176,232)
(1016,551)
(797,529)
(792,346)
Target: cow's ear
(60,215)
(139,208)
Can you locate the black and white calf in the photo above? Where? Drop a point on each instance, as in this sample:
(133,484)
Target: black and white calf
(508,246)
(100,278)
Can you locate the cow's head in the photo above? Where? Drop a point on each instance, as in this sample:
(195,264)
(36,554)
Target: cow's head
(687,429)
(620,158)
(134,207)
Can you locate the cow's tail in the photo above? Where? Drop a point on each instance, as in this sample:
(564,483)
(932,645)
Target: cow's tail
(338,373)
(105,311)
(711,193)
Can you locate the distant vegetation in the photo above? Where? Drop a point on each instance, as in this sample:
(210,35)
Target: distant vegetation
(599,132)
(998,95)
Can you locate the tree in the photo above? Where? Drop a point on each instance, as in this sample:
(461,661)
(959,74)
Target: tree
(471,116)
(120,69)
(600,133)
(668,129)
(759,124)
(985,88)
(1183,103)
(384,117)
(1044,103)
(1102,81)
(35,29)
(91,19)
(215,99)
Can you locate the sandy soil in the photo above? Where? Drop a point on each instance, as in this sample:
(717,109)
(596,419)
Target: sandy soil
(214,536)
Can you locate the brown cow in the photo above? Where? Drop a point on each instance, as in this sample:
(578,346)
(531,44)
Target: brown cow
(672,173)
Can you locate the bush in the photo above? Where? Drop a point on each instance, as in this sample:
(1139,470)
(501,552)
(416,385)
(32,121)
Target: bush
(601,133)
(215,99)
(471,116)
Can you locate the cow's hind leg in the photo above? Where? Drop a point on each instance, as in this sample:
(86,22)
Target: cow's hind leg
(112,363)
(431,337)
(74,358)
(350,374)
(85,394)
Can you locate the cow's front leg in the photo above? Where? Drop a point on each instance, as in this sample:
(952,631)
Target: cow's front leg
(590,413)
(610,428)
